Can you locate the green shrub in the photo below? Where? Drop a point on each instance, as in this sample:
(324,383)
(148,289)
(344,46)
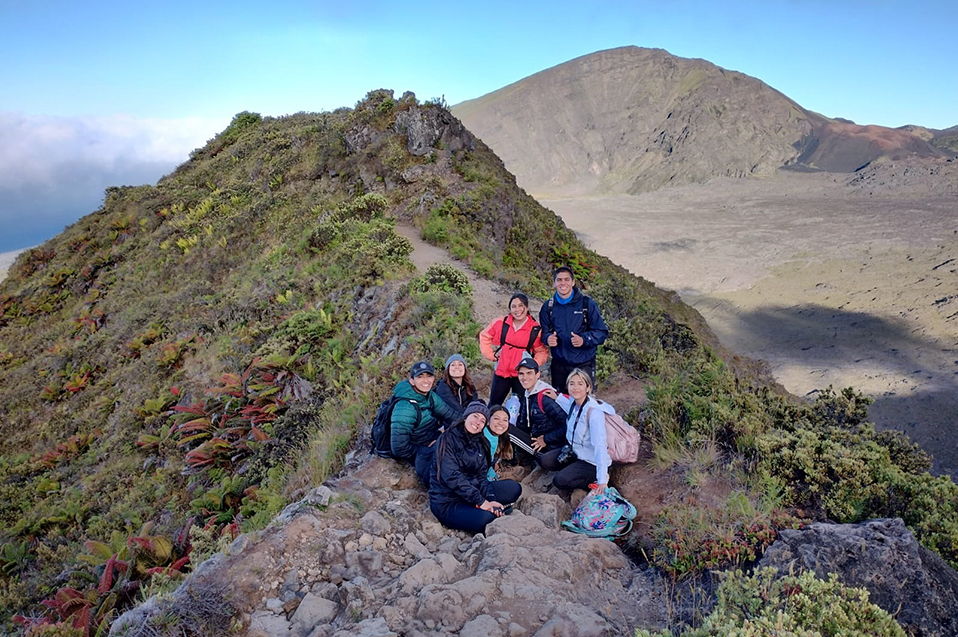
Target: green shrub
(442,277)
(482,266)
(700,402)
(241,121)
(827,458)
(442,322)
(309,328)
(802,605)
(693,537)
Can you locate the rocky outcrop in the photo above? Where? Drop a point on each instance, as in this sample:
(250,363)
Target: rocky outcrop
(374,561)
(427,127)
(902,577)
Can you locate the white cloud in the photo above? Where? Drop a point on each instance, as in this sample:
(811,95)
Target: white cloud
(53,170)
(33,147)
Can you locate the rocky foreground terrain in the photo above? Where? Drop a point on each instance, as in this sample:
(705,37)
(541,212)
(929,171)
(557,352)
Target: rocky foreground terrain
(363,556)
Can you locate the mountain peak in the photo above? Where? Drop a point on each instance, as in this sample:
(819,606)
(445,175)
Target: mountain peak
(630,119)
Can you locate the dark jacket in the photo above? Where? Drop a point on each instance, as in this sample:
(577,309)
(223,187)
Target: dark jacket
(566,319)
(548,421)
(460,471)
(456,397)
(407,433)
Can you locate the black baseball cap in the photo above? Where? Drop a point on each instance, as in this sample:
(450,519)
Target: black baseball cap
(422,367)
(528,362)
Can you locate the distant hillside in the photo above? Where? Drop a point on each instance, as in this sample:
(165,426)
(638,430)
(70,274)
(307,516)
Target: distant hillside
(946,139)
(630,120)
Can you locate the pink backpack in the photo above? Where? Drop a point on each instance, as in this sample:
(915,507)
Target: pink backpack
(621,438)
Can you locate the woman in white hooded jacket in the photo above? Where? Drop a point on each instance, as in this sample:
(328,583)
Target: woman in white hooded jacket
(584,462)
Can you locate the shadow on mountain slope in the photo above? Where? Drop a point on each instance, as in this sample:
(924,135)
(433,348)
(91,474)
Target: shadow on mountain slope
(900,368)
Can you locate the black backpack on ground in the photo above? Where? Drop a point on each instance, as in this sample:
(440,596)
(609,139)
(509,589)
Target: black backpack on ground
(382,426)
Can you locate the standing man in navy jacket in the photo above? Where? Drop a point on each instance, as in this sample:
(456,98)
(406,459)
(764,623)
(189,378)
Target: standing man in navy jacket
(572,327)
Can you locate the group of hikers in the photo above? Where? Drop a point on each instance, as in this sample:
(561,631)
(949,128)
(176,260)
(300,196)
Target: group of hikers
(459,445)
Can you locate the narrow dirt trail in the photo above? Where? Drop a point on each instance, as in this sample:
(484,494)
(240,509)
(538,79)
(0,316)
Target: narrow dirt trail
(489,299)
(647,487)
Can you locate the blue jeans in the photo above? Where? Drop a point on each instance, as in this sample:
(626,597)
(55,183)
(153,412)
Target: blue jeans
(425,458)
(468,517)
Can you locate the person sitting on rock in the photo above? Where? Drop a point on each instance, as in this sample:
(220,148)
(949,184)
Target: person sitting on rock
(456,386)
(415,427)
(540,424)
(507,340)
(584,461)
(497,430)
(461,496)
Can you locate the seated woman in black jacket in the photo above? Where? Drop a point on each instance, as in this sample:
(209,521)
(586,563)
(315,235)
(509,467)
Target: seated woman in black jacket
(456,387)
(461,496)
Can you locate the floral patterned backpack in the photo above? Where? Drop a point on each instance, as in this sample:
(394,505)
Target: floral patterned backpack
(605,514)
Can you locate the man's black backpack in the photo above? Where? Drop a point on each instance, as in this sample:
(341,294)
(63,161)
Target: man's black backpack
(585,312)
(382,426)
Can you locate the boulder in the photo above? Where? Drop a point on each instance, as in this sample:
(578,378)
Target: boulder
(425,126)
(902,577)
(266,624)
(375,627)
(375,524)
(315,610)
(436,570)
(548,508)
(481,626)
(574,620)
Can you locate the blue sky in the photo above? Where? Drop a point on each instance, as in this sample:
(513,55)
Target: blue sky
(94,93)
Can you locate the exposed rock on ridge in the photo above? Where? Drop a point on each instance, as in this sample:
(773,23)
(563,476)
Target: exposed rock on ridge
(902,577)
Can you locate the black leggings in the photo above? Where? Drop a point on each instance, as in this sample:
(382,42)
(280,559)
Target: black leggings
(559,373)
(500,389)
(470,518)
(578,475)
(522,442)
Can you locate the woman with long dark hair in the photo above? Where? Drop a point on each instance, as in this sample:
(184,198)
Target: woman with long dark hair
(497,433)
(507,340)
(456,387)
(461,496)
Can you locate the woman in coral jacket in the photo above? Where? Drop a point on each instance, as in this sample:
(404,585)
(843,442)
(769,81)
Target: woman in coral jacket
(522,335)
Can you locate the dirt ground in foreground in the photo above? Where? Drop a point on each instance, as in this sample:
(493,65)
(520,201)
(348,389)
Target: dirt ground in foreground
(832,283)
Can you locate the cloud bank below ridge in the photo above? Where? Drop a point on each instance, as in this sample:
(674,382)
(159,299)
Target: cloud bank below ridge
(53,170)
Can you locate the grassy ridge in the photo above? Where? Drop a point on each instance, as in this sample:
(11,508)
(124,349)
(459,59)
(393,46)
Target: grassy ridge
(203,350)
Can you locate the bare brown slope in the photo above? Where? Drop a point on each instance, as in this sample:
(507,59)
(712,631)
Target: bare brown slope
(630,120)
(845,147)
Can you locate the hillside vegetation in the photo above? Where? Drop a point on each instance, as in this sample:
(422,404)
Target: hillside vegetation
(180,364)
